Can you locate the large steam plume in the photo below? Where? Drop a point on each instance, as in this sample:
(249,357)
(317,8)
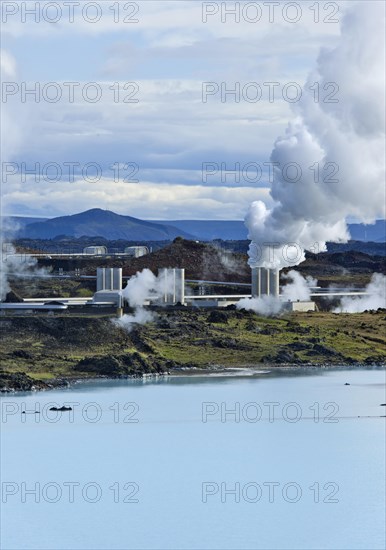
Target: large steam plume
(346,129)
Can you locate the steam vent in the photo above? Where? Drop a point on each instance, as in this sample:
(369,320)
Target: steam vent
(265,281)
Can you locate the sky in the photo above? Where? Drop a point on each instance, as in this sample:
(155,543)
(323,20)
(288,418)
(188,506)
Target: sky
(148,127)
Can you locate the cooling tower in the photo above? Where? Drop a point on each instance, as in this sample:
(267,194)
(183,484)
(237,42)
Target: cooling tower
(173,281)
(265,281)
(274,282)
(109,278)
(179,285)
(256,281)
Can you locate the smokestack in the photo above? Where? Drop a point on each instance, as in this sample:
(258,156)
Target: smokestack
(173,282)
(179,285)
(274,282)
(265,281)
(256,282)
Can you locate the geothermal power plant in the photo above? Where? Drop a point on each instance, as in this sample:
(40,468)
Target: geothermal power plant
(172,289)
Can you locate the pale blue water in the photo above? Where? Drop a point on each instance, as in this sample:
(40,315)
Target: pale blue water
(170,453)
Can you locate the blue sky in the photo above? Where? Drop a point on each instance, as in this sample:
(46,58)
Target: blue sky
(170,132)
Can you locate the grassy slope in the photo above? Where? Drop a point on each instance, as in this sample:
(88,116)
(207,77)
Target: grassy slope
(50,347)
(253,339)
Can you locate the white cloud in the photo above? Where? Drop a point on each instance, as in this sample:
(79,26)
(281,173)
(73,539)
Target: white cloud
(142,200)
(170,132)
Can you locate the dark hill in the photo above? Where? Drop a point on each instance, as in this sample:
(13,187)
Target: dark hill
(102,223)
(201,261)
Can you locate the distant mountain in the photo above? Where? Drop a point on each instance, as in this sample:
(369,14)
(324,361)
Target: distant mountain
(209,230)
(102,223)
(111,226)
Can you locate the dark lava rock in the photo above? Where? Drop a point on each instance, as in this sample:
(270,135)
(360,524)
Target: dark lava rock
(22,354)
(165,324)
(375,360)
(283,356)
(106,366)
(20,381)
(229,343)
(139,342)
(299,346)
(217,317)
(251,325)
(297,328)
(324,350)
(269,331)
(12,297)
(314,340)
(120,365)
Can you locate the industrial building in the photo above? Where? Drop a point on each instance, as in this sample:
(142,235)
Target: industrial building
(173,289)
(109,287)
(95,250)
(136,251)
(299,305)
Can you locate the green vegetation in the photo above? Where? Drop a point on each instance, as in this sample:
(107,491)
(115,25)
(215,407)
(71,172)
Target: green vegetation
(63,346)
(297,338)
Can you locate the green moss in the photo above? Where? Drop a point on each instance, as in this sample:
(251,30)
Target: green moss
(43,351)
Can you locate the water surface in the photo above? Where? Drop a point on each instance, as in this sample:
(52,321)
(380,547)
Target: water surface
(197,483)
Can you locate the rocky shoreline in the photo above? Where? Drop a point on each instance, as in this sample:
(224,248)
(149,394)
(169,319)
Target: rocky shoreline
(41,352)
(20,382)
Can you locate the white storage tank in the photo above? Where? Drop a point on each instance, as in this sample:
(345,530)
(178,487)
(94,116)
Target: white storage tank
(136,251)
(95,250)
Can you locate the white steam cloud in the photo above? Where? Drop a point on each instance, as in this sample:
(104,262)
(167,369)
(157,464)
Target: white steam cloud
(264,305)
(299,288)
(13,264)
(140,317)
(375,299)
(139,289)
(337,140)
